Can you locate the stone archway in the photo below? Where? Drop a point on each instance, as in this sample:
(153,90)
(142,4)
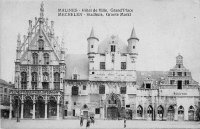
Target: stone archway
(181,113)
(191,113)
(40,107)
(52,107)
(150,112)
(160,112)
(28,107)
(170,113)
(113,105)
(16,105)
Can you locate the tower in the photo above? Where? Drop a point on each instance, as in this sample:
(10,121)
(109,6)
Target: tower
(179,60)
(92,43)
(132,42)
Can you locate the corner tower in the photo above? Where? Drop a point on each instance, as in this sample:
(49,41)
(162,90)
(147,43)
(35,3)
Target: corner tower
(92,43)
(132,42)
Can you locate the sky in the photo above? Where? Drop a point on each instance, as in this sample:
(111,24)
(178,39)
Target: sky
(165,29)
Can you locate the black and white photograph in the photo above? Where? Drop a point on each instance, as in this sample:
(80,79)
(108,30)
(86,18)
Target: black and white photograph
(100,64)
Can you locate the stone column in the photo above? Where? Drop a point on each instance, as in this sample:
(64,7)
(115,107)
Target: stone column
(10,111)
(58,107)
(33,110)
(176,113)
(45,116)
(22,110)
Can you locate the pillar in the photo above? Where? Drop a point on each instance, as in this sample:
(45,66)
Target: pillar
(45,113)
(176,113)
(22,110)
(33,110)
(10,111)
(58,107)
(185,113)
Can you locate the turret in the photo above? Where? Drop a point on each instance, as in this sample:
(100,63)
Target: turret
(179,61)
(132,42)
(92,43)
(18,48)
(62,51)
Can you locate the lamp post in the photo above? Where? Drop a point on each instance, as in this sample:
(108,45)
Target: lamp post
(18,120)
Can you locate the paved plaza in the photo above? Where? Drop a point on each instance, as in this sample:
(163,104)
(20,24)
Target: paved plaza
(99,124)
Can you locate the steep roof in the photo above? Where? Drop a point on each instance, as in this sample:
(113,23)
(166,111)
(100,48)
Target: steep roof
(77,63)
(103,46)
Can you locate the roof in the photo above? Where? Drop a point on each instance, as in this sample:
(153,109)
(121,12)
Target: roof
(103,46)
(152,75)
(77,63)
(5,82)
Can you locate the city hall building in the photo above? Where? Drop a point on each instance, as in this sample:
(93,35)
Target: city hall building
(103,83)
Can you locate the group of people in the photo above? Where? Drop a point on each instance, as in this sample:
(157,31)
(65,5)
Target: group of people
(89,121)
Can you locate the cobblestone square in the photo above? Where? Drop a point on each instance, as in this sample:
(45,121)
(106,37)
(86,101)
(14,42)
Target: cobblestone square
(99,124)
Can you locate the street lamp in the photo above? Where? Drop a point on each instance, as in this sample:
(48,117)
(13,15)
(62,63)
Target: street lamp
(18,120)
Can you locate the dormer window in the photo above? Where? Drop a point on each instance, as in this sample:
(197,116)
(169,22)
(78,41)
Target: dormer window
(112,48)
(75,76)
(148,85)
(179,66)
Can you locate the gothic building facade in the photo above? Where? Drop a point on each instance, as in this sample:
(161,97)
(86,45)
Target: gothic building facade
(104,83)
(39,72)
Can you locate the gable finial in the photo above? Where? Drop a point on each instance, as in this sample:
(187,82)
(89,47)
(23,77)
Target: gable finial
(42,10)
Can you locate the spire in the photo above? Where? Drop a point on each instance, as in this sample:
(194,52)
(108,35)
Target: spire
(92,35)
(133,35)
(42,10)
(18,41)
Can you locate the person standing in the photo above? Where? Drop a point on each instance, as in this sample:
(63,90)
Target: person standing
(88,123)
(124,122)
(81,121)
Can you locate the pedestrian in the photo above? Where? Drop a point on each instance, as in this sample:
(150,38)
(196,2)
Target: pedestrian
(88,123)
(124,122)
(81,121)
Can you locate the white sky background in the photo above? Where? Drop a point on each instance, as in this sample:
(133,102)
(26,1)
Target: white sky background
(164,27)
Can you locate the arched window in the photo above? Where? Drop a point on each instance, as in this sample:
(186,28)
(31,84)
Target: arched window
(101,89)
(56,81)
(34,77)
(41,44)
(150,111)
(56,77)
(160,111)
(23,80)
(139,111)
(35,58)
(191,113)
(180,110)
(34,80)
(23,77)
(45,77)
(74,90)
(46,58)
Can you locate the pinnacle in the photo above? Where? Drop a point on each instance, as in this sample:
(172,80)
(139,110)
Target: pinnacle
(92,35)
(133,35)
